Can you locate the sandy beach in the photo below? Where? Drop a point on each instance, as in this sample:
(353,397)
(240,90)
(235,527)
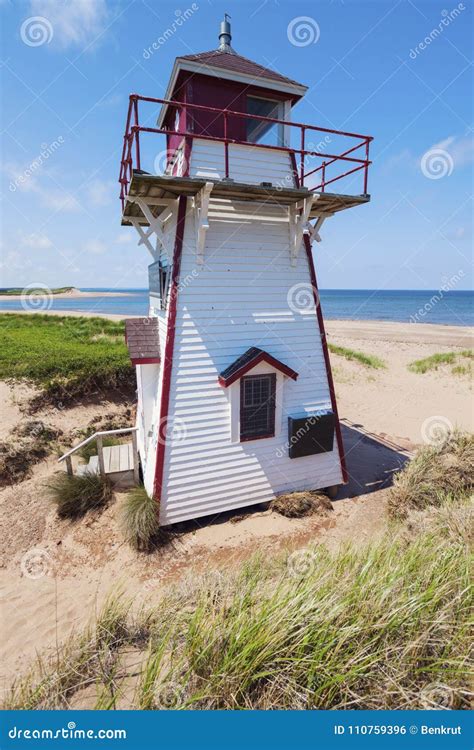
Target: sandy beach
(385,415)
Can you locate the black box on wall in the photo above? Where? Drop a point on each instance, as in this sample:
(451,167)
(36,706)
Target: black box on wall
(310,434)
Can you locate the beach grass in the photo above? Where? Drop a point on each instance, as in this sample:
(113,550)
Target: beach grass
(368,360)
(435,361)
(381,625)
(75,495)
(31,290)
(67,357)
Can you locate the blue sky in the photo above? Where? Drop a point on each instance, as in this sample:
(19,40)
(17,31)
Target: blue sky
(366,73)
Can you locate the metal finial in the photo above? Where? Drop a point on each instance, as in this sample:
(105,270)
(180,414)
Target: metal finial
(225,36)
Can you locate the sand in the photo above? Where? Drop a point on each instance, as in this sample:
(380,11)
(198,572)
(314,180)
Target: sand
(384,415)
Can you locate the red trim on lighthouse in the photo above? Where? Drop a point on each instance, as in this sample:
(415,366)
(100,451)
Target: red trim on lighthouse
(169,348)
(319,314)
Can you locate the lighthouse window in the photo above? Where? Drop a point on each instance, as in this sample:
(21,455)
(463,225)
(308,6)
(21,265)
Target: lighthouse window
(259,131)
(257,406)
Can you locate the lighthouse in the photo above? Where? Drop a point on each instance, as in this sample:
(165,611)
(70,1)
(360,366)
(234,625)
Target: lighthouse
(229,194)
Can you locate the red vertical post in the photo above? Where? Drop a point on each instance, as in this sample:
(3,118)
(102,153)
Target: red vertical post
(137,133)
(302,157)
(366,170)
(226,146)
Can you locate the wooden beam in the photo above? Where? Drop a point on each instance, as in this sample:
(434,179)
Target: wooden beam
(201,209)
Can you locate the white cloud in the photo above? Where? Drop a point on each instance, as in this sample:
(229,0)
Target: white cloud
(96,246)
(35,240)
(101,193)
(124,238)
(21,180)
(76,23)
(460,148)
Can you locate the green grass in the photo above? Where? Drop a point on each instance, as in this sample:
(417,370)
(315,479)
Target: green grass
(58,290)
(139,520)
(90,449)
(75,495)
(67,357)
(421,366)
(369,360)
(382,627)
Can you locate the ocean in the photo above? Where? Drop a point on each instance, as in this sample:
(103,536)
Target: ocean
(444,308)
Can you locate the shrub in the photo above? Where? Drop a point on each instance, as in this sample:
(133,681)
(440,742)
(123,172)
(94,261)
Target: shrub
(139,520)
(299,504)
(75,495)
(436,474)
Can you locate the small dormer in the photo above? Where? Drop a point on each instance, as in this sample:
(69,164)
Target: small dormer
(222,79)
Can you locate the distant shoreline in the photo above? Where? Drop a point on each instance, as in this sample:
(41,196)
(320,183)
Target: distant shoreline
(72,293)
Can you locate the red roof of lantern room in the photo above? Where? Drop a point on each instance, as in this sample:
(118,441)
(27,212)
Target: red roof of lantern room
(226,63)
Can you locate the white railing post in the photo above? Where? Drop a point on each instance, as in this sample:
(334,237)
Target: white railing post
(100,454)
(136,476)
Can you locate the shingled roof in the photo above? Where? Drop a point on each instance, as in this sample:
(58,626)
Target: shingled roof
(141,337)
(247,361)
(236,63)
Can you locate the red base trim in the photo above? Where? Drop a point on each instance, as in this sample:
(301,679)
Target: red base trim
(322,332)
(169,346)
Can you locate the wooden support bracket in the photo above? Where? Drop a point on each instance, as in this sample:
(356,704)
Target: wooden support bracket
(201,210)
(298,220)
(155,224)
(312,230)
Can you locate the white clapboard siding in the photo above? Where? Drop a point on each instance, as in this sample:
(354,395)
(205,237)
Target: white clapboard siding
(242,296)
(249,164)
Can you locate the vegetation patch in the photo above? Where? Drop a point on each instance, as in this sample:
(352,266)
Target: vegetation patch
(75,495)
(29,445)
(139,521)
(437,474)
(300,504)
(435,361)
(17,291)
(90,449)
(63,356)
(368,360)
(382,627)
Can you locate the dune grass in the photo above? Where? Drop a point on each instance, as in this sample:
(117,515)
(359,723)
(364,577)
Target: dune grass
(75,495)
(67,357)
(436,474)
(368,360)
(435,361)
(139,520)
(18,291)
(380,627)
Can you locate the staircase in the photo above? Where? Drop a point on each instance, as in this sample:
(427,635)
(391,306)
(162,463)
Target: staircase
(119,463)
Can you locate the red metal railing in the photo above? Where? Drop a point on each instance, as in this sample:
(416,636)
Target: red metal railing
(131,144)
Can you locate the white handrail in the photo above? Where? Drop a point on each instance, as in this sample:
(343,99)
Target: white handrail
(101,433)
